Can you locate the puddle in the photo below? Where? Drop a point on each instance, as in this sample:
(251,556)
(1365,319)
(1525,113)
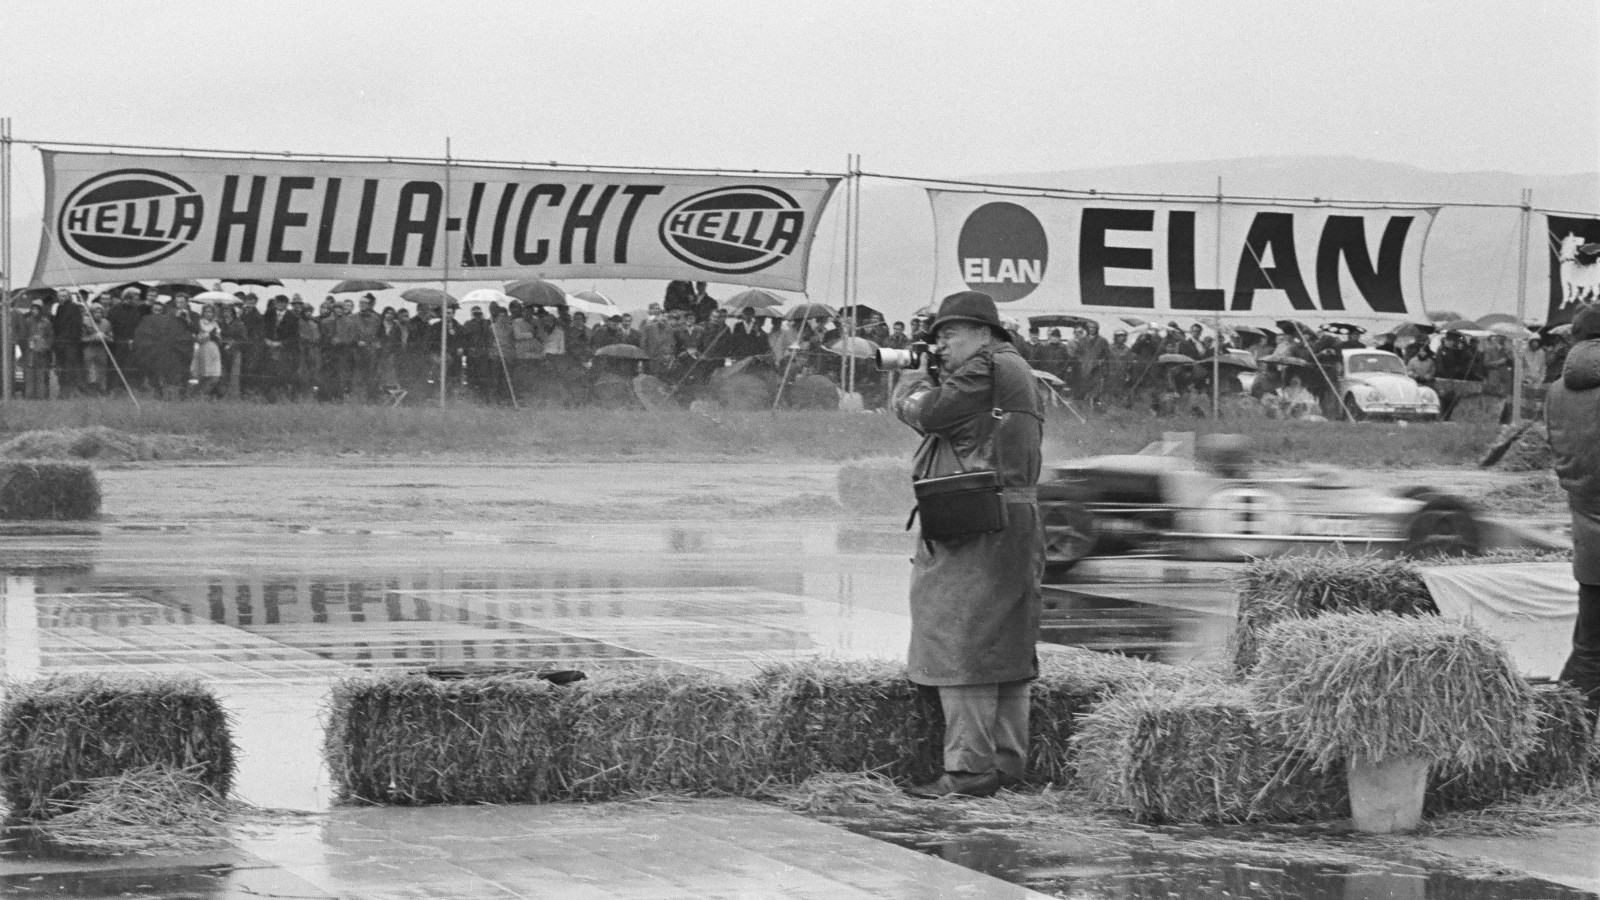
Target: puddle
(1094,870)
(273,616)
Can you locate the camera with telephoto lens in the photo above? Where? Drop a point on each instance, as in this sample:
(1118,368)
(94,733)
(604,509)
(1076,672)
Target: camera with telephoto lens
(911,357)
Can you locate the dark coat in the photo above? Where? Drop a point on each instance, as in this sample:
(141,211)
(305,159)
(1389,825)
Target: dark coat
(1572,413)
(975,602)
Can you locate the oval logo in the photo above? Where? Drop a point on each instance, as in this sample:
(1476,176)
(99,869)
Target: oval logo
(129,218)
(734,230)
(1002,251)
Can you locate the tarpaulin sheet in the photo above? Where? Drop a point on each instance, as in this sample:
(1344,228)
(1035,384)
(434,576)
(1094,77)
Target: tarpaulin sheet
(1530,607)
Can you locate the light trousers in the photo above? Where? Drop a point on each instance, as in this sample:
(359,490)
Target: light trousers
(986,727)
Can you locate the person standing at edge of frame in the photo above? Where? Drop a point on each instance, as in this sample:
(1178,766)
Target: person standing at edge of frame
(975,600)
(1572,415)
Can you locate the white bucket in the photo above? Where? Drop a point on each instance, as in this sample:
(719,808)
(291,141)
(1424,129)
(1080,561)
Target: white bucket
(1386,796)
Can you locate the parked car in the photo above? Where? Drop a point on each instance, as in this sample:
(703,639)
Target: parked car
(1375,385)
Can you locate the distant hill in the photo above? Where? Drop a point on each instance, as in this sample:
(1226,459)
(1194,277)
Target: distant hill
(1470,264)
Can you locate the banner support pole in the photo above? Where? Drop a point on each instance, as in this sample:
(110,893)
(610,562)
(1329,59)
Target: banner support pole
(445,316)
(1517,362)
(6,337)
(1216,322)
(854,270)
(844,305)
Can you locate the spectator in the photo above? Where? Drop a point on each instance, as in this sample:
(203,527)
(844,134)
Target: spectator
(1572,414)
(368,345)
(96,355)
(392,339)
(67,329)
(38,347)
(282,339)
(206,361)
(657,340)
(234,340)
(163,345)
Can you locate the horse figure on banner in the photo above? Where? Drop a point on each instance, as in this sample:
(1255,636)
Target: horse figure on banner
(1580,271)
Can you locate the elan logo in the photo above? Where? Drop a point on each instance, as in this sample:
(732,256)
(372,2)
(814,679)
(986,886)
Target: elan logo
(129,218)
(734,230)
(1003,251)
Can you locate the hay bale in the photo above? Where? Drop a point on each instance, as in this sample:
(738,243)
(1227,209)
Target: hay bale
(100,442)
(1530,452)
(58,734)
(850,716)
(1562,754)
(876,487)
(1384,687)
(1196,754)
(832,716)
(151,810)
(1272,590)
(410,739)
(48,490)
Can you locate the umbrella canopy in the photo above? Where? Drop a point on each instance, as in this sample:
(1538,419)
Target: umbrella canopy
(1493,319)
(1174,359)
(537,292)
(1510,329)
(1135,322)
(1230,361)
(859,347)
(861,312)
(1058,320)
(768,312)
(809,311)
(593,303)
(359,284)
(622,351)
(755,297)
(181,284)
(1444,315)
(259,282)
(479,297)
(216,297)
(1412,330)
(1294,361)
(426,296)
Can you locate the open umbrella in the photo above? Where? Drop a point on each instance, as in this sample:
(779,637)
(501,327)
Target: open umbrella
(1510,329)
(622,351)
(1058,320)
(593,303)
(537,292)
(1444,315)
(216,297)
(427,296)
(1134,322)
(809,311)
(481,297)
(1495,318)
(861,312)
(355,285)
(768,312)
(859,347)
(1294,361)
(181,284)
(1174,359)
(755,297)
(258,282)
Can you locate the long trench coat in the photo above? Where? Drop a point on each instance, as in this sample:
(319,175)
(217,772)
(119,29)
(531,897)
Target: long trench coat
(1572,414)
(975,601)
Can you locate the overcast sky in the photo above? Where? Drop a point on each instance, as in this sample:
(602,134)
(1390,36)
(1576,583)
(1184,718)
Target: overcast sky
(935,88)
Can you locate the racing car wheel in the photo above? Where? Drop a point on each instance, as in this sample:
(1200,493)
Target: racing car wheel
(1444,526)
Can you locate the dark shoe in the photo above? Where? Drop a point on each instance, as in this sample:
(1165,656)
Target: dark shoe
(958,784)
(1009,782)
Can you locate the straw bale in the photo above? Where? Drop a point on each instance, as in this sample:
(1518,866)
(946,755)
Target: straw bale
(1385,686)
(48,490)
(1271,590)
(1563,752)
(852,716)
(1196,754)
(100,442)
(59,733)
(151,810)
(409,739)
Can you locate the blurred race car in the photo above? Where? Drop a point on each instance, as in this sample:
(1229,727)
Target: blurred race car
(1161,502)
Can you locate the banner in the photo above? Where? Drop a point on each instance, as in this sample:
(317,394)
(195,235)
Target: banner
(111,217)
(1574,265)
(1161,258)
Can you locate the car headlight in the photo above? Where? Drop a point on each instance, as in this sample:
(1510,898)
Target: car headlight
(1428,396)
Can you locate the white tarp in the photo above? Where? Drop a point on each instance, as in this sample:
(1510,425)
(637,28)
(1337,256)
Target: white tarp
(1164,258)
(1530,607)
(114,217)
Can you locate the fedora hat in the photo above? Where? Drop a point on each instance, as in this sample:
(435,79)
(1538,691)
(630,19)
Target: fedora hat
(970,306)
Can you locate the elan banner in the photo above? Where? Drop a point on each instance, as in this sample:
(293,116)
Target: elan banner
(1087,256)
(112,217)
(1574,265)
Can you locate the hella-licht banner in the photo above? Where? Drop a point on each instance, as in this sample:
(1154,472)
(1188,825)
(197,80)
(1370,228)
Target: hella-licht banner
(116,217)
(1574,265)
(1049,254)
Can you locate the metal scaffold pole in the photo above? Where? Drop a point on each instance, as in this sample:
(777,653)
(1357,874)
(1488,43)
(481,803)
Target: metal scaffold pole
(445,317)
(6,337)
(1517,361)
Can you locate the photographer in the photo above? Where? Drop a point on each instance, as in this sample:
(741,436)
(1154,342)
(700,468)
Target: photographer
(975,599)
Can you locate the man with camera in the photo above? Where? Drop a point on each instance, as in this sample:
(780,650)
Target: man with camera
(975,585)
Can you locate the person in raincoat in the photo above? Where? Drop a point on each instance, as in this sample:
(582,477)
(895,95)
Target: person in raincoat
(1572,415)
(975,601)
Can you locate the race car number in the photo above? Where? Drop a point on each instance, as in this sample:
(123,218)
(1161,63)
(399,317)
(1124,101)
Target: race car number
(1247,510)
(1331,526)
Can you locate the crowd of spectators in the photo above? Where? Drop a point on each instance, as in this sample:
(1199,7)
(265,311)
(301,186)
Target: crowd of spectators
(283,348)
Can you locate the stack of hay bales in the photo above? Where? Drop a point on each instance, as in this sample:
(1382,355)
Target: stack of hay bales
(409,739)
(1300,587)
(31,489)
(59,734)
